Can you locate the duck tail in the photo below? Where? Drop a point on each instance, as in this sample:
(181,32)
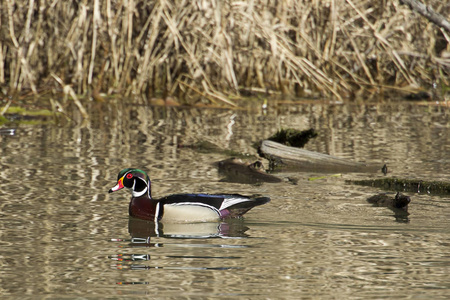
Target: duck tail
(260,200)
(241,208)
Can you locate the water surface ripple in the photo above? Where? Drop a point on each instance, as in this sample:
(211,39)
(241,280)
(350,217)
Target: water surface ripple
(63,236)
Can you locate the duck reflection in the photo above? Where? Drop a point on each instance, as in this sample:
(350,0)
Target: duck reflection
(144,232)
(141,230)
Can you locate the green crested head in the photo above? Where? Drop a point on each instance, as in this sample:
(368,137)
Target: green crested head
(134,179)
(135,172)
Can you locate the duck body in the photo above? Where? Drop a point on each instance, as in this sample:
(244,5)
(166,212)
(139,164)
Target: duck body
(181,207)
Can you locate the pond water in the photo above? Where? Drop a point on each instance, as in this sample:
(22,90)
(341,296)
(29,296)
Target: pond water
(63,236)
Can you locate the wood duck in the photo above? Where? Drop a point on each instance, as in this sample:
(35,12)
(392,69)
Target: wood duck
(181,207)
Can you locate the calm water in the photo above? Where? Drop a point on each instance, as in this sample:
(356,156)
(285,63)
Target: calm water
(63,235)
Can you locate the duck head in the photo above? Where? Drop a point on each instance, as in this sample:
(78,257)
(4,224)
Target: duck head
(134,179)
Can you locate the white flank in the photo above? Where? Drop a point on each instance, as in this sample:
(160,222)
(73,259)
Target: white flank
(188,212)
(232,201)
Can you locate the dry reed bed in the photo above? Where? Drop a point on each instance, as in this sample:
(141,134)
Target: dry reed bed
(218,49)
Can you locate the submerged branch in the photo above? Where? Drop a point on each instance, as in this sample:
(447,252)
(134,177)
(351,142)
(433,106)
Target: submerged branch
(407,185)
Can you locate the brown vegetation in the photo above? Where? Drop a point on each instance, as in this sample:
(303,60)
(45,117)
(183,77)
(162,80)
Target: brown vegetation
(217,50)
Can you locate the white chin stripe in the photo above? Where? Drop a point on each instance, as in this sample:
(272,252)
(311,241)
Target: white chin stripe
(139,194)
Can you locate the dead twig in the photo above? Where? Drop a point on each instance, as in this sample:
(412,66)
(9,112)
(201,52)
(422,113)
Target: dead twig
(428,12)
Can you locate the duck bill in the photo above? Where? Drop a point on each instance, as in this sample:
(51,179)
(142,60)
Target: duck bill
(118,186)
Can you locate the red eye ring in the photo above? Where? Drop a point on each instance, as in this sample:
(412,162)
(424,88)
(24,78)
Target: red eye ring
(129,176)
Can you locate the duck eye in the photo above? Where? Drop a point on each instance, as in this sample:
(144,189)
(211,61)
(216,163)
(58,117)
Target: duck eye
(129,176)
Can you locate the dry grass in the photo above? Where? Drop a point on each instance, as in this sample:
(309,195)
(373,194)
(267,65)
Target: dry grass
(217,50)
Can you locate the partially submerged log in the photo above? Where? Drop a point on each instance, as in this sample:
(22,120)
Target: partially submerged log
(283,157)
(408,185)
(397,202)
(235,170)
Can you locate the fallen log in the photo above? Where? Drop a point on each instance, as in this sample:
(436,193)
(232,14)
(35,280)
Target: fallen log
(283,157)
